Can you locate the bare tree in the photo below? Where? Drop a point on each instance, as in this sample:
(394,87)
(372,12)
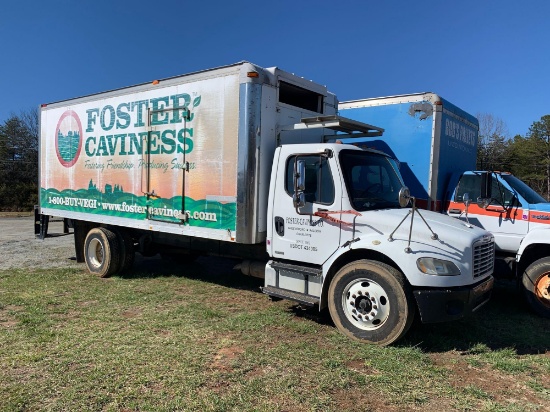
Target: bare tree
(493,142)
(29,118)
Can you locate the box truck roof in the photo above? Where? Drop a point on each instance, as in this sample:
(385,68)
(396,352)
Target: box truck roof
(289,83)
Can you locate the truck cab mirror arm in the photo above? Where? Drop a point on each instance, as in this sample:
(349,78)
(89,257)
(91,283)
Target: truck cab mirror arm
(486,184)
(299,183)
(486,190)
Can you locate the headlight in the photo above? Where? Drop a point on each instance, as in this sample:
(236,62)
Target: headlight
(432,266)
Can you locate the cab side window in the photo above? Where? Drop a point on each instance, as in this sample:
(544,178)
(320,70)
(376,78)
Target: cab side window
(319,186)
(500,195)
(470,184)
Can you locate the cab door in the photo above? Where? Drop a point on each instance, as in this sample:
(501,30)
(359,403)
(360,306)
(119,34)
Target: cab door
(298,234)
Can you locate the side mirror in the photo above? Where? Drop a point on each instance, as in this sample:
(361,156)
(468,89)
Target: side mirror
(404,196)
(467,201)
(483,202)
(299,198)
(300,176)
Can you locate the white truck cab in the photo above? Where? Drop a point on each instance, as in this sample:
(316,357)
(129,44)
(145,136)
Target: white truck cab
(519,219)
(340,237)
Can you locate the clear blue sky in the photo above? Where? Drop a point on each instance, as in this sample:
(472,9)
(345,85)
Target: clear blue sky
(484,56)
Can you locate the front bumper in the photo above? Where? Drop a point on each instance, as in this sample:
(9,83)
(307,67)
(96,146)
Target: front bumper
(442,305)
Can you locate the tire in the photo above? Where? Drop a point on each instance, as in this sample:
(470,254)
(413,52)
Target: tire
(536,286)
(371,302)
(102,252)
(127,250)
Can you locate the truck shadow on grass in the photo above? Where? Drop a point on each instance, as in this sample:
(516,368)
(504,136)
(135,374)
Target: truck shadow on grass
(210,269)
(504,322)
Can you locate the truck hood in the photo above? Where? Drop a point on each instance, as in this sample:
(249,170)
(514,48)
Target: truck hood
(448,229)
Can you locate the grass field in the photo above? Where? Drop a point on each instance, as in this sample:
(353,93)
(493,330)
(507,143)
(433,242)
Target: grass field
(164,338)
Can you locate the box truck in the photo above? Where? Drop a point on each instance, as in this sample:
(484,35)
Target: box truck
(242,161)
(436,145)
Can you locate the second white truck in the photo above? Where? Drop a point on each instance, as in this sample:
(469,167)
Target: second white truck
(242,161)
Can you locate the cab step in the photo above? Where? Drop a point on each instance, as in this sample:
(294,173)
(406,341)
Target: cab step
(304,270)
(307,300)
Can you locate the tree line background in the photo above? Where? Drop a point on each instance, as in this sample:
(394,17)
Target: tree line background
(19,162)
(527,157)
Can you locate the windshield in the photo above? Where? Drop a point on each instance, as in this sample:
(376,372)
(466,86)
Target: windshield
(523,190)
(371,179)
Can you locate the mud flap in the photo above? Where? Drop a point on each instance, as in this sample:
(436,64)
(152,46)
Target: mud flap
(41,223)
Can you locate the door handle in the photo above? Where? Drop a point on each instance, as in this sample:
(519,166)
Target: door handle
(455,211)
(279,225)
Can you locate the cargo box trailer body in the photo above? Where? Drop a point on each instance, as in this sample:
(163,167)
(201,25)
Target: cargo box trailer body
(182,150)
(431,137)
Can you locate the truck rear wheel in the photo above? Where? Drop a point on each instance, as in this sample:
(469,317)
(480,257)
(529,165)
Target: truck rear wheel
(102,252)
(371,302)
(536,286)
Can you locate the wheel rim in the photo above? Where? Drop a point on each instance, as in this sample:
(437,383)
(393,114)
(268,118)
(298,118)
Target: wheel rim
(365,304)
(542,289)
(95,253)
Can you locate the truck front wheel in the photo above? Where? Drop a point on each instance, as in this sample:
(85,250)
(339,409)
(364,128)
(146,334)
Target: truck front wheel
(101,252)
(536,286)
(371,302)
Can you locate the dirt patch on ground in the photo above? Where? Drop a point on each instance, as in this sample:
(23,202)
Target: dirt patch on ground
(496,386)
(224,359)
(223,364)
(131,313)
(8,315)
(359,399)
(359,366)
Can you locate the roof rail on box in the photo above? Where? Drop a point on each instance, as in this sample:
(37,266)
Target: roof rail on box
(348,128)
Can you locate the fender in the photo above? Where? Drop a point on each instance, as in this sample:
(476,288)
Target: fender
(345,255)
(376,246)
(540,236)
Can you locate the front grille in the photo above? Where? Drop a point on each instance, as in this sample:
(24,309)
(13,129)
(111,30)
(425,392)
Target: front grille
(484,257)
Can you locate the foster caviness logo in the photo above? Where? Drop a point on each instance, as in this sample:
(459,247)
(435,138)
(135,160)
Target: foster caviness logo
(68,138)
